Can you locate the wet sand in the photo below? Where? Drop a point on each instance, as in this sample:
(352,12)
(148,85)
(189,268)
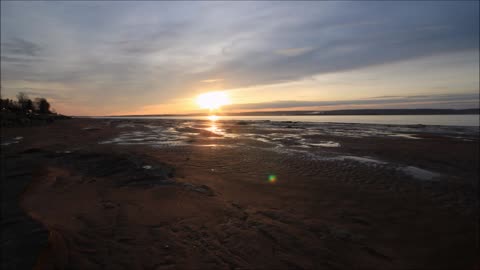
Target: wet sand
(166,194)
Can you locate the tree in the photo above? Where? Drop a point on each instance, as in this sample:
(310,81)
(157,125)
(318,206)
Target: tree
(22,97)
(25,103)
(42,105)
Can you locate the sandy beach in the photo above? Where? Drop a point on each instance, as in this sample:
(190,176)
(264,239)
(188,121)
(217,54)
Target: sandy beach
(181,194)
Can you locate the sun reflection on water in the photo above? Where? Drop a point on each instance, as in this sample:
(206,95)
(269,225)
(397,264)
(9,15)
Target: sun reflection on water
(213,126)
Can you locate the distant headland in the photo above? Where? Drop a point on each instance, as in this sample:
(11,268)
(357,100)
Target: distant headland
(27,112)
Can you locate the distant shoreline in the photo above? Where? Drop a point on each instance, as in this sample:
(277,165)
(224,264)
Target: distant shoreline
(425,120)
(317,113)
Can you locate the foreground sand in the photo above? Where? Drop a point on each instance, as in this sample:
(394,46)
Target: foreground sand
(110,194)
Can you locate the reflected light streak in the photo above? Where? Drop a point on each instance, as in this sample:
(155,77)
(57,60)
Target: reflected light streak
(214,126)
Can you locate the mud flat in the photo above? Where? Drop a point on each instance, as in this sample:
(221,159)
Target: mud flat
(178,194)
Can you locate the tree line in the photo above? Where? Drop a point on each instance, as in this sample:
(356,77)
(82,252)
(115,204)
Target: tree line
(25,105)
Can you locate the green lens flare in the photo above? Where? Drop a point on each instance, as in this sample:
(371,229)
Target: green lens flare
(272,178)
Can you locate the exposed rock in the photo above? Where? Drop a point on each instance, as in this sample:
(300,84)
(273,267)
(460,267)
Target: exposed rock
(201,189)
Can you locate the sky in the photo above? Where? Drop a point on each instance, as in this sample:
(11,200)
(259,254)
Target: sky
(114,58)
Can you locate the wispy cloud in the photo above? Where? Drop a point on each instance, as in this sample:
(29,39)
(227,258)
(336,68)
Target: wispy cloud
(469,100)
(293,51)
(20,47)
(212,80)
(18,60)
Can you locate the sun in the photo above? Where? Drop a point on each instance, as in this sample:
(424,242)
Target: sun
(213,100)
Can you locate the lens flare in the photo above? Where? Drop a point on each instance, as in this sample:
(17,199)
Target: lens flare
(272,178)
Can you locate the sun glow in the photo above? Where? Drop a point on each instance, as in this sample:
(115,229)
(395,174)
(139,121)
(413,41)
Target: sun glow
(213,100)
(213,118)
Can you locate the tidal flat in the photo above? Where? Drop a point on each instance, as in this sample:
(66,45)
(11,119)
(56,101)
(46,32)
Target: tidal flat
(193,194)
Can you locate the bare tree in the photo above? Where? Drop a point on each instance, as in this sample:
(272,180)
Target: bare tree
(22,97)
(25,103)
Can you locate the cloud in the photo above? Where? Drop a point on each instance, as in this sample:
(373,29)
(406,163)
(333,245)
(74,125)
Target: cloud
(18,60)
(152,38)
(293,51)
(348,42)
(212,80)
(20,47)
(154,52)
(471,100)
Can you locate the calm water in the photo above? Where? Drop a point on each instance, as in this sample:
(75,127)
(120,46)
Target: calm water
(444,120)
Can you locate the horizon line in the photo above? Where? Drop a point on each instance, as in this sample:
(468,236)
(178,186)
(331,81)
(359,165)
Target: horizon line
(303,112)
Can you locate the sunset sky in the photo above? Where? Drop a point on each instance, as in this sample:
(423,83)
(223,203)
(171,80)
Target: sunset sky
(105,58)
